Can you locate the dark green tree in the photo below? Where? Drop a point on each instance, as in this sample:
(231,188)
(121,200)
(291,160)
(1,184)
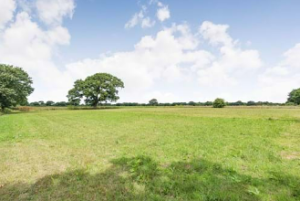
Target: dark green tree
(42,103)
(219,103)
(49,103)
(34,104)
(251,103)
(15,86)
(95,89)
(153,102)
(208,103)
(294,96)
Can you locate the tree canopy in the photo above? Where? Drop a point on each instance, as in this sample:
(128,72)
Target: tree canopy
(294,97)
(95,89)
(15,86)
(153,102)
(219,103)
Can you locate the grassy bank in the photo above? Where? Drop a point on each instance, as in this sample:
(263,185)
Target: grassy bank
(151,154)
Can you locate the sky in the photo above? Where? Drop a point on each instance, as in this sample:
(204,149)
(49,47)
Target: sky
(174,51)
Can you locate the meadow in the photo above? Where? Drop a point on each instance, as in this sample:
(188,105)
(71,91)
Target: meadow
(152,153)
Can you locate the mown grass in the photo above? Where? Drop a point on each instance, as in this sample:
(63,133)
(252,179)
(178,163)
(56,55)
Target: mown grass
(151,154)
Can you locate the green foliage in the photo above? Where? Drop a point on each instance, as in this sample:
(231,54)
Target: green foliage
(251,103)
(153,102)
(290,104)
(219,103)
(7,111)
(95,89)
(49,103)
(294,96)
(15,86)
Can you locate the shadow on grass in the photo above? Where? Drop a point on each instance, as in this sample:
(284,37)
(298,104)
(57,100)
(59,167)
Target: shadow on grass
(141,178)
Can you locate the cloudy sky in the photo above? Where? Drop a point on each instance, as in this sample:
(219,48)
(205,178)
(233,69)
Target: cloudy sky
(170,50)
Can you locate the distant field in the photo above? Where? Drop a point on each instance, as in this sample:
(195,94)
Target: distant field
(151,154)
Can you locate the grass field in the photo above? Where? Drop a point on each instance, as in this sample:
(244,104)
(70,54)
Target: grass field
(151,154)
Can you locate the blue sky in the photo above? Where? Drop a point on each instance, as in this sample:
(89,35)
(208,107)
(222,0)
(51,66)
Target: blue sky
(195,50)
(271,26)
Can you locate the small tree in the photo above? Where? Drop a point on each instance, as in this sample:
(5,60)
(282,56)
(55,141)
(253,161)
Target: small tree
(97,88)
(251,103)
(49,103)
(153,102)
(15,86)
(219,103)
(294,96)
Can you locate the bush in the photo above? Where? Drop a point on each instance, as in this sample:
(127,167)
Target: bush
(290,104)
(219,103)
(7,111)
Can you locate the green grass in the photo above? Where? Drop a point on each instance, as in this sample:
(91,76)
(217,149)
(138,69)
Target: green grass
(151,154)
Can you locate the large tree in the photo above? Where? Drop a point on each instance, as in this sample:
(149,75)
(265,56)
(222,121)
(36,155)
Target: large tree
(15,86)
(294,96)
(101,87)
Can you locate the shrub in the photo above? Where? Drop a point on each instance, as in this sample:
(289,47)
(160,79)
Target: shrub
(219,103)
(290,104)
(7,111)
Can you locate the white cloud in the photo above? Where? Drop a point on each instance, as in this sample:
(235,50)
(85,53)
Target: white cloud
(163,13)
(59,35)
(161,97)
(147,23)
(154,59)
(172,65)
(25,44)
(292,57)
(216,34)
(136,18)
(53,11)
(171,57)
(140,18)
(276,82)
(233,61)
(7,8)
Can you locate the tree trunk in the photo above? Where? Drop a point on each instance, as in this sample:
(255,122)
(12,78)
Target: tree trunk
(95,104)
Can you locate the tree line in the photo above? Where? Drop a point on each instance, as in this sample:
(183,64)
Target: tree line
(98,89)
(190,103)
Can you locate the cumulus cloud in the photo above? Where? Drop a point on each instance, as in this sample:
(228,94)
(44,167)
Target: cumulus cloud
(174,56)
(172,65)
(53,11)
(152,59)
(216,34)
(292,57)
(163,13)
(276,82)
(24,43)
(233,61)
(7,8)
